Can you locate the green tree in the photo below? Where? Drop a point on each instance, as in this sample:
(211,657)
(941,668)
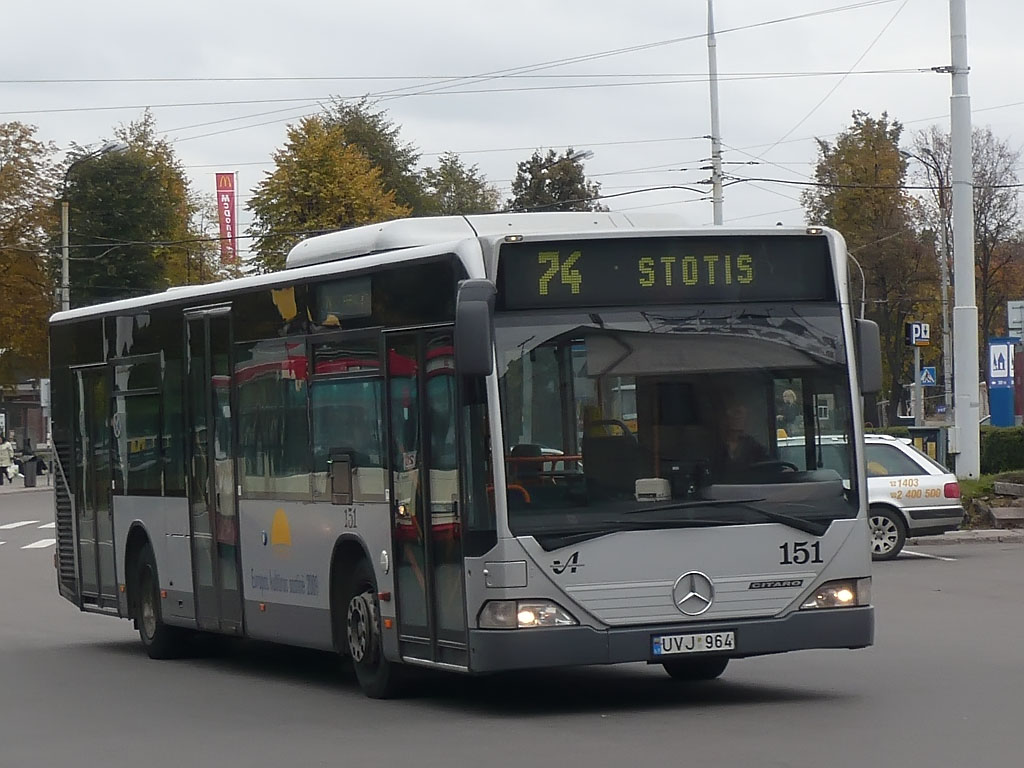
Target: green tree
(554,182)
(28,178)
(129,212)
(452,188)
(860,192)
(379,139)
(320,183)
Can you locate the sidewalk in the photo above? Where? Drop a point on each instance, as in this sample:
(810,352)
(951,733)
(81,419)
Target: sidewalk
(18,485)
(986,535)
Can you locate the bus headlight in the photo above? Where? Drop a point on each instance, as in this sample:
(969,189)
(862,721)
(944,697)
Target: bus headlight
(844,593)
(523,614)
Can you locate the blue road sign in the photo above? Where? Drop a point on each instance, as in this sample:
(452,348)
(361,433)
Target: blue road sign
(928,376)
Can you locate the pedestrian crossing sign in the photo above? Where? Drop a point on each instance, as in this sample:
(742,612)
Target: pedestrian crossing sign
(928,376)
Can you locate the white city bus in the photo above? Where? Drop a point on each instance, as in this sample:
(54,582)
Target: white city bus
(476,444)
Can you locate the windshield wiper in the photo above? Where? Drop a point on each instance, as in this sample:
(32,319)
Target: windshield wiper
(690,505)
(563,537)
(807,526)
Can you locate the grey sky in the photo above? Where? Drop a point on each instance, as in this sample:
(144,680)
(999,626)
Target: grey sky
(70,39)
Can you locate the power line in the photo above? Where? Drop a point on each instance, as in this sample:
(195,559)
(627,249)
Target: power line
(841,80)
(454,82)
(622,142)
(892,187)
(438,92)
(385,78)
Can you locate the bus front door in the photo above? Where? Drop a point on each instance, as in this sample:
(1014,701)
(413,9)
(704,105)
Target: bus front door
(211,480)
(425,492)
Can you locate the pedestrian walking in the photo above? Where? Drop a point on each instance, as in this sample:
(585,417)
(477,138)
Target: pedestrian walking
(6,458)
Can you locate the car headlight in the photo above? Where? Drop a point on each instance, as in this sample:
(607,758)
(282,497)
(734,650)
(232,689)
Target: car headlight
(845,593)
(523,614)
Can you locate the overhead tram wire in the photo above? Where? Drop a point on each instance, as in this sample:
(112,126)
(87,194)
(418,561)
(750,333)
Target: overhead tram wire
(524,69)
(841,80)
(892,187)
(110,242)
(622,142)
(453,82)
(309,100)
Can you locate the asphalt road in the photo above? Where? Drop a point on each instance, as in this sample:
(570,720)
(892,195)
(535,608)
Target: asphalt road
(943,686)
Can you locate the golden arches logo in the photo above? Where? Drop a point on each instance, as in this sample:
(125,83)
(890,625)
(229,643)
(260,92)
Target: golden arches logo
(225,181)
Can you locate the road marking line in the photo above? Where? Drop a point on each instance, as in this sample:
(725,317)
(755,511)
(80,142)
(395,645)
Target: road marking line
(48,525)
(9,526)
(41,544)
(930,557)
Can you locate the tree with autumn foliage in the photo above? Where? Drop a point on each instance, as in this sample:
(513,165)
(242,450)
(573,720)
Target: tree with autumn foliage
(320,183)
(998,241)
(369,129)
(859,190)
(28,177)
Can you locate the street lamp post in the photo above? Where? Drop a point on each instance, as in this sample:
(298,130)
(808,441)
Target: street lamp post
(65,270)
(947,358)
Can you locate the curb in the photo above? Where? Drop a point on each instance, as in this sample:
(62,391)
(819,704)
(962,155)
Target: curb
(989,536)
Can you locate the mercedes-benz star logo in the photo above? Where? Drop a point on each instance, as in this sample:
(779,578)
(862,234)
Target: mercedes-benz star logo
(693,593)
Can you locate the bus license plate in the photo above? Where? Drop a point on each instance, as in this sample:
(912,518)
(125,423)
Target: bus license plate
(705,642)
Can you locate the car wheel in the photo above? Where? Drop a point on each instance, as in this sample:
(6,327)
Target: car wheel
(888,533)
(707,668)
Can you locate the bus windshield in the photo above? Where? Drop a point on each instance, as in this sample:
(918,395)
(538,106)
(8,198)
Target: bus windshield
(628,419)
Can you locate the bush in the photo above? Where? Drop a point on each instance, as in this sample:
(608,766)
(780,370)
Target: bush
(1002,449)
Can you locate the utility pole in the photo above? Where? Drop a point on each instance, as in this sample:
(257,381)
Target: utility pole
(716,133)
(966,433)
(947,340)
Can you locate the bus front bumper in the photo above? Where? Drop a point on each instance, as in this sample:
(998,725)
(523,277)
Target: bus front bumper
(496,650)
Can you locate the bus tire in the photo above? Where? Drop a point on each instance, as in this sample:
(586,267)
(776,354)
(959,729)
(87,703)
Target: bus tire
(707,668)
(888,533)
(160,640)
(378,677)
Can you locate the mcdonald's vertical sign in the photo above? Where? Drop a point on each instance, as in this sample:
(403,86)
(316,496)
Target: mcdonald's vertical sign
(228,219)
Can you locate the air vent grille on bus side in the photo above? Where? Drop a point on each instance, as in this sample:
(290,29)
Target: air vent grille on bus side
(67,574)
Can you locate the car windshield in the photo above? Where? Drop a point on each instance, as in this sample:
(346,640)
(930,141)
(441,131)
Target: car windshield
(612,419)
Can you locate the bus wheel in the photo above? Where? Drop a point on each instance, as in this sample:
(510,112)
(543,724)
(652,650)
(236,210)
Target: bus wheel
(888,533)
(696,669)
(160,640)
(378,678)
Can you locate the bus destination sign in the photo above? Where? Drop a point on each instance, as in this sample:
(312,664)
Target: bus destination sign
(643,271)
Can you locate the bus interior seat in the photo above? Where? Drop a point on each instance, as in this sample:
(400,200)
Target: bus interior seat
(527,471)
(611,463)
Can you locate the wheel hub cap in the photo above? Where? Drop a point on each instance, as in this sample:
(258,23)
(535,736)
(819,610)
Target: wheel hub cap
(883,534)
(361,627)
(148,616)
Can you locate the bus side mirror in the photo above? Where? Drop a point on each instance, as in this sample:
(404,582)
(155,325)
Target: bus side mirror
(869,357)
(474,327)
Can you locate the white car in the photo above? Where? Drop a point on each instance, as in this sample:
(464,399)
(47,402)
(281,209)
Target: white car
(908,492)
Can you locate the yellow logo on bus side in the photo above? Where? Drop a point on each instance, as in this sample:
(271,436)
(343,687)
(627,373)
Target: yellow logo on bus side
(280,534)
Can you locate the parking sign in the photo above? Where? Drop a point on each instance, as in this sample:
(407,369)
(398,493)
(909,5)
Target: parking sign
(918,334)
